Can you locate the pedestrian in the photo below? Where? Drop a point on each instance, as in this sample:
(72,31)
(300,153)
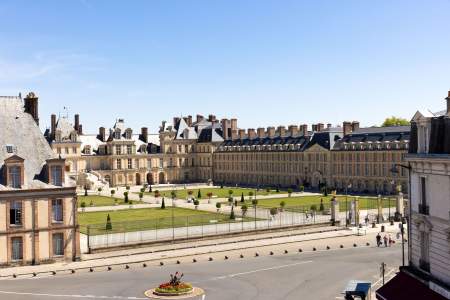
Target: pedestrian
(390,241)
(378,240)
(385,239)
(367,220)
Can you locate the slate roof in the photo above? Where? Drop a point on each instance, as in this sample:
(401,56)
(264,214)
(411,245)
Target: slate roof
(18,129)
(374,135)
(203,131)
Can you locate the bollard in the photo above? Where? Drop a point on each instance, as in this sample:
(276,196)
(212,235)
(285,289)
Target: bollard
(328,247)
(285,252)
(109,268)
(72,271)
(314,249)
(241,256)
(342,246)
(210,259)
(194,260)
(271,253)
(144,265)
(226,257)
(161,263)
(382,228)
(91,270)
(178,262)
(354,245)
(300,250)
(127,267)
(53,273)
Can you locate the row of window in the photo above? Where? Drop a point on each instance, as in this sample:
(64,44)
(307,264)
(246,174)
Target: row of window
(16,212)
(15,176)
(59,150)
(17,248)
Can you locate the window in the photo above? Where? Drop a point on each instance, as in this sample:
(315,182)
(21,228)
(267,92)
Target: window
(66,150)
(161,163)
(74,150)
(149,164)
(58,150)
(87,150)
(130,163)
(15,213)
(14,176)
(425,251)
(137,164)
(118,150)
(117,134)
(58,244)
(129,149)
(423,191)
(119,164)
(16,248)
(57,210)
(10,149)
(56,175)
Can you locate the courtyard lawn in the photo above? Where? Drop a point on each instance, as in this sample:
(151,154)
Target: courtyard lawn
(148,219)
(305,202)
(101,201)
(217,192)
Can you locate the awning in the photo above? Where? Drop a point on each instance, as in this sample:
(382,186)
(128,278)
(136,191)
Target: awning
(405,287)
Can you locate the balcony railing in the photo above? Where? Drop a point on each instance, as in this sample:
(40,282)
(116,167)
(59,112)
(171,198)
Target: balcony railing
(424,209)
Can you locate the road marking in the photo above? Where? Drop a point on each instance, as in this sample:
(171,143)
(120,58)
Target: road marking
(70,296)
(257,271)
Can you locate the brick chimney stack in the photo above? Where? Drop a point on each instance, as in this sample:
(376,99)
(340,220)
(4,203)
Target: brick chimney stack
(200,118)
(77,123)
(261,132)
(251,133)
(314,127)
(102,134)
(448,103)
(241,134)
(234,129)
(304,129)
(271,132)
(189,120)
(329,125)
(144,134)
(212,118)
(31,106)
(355,126)
(175,121)
(293,130)
(347,127)
(320,127)
(281,130)
(53,126)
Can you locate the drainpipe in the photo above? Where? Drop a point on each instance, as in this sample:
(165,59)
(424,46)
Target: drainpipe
(33,228)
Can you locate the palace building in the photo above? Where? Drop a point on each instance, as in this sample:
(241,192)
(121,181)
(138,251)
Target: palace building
(38,202)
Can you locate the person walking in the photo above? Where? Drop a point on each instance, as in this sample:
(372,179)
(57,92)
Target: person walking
(385,239)
(378,240)
(391,241)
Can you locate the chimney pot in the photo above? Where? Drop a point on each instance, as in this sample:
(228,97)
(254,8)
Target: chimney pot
(347,127)
(261,132)
(53,125)
(144,134)
(31,106)
(448,104)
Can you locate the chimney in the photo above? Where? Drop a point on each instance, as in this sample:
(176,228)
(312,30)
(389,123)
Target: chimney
(212,118)
(314,127)
(281,130)
(80,129)
(102,134)
(200,118)
(189,120)
(355,126)
(144,134)
(77,123)
(448,103)
(270,132)
(241,134)
(233,124)
(225,123)
(320,127)
(175,121)
(53,125)
(31,106)
(251,133)
(304,129)
(347,127)
(261,133)
(329,125)
(293,130)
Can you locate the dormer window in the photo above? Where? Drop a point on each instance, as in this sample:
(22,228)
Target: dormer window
(56,175)
(128,134)
(10,149)
(14,174)
(87,150)
(117,134)
(73,137)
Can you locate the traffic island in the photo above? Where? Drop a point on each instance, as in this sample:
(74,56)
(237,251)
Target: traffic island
(174,289)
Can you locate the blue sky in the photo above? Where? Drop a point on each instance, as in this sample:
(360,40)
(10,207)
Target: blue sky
(264,62)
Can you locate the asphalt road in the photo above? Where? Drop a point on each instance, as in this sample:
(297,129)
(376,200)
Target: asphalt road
(312,275)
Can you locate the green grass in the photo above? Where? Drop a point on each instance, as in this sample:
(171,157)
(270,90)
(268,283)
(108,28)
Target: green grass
(307,201)
(147,219)
(217,192)
(101,201)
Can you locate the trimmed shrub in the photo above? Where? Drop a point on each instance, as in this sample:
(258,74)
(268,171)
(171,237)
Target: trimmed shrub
(108,223)
(199,194)
(141,195)
(289,191)
(232,216)
(112,192)
(302,188)
(125,194)
(244,209)
(282,204)
(313,207)
(83,204)
(173,194)
(242,198)
(255,202)
(142,190)
(218,205)
(163,204)
(273,211)
(321,207)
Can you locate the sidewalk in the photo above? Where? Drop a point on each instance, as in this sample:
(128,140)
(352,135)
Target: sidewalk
(309,240)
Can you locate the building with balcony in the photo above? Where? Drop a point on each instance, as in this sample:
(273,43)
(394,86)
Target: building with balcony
(427,275)
(38,204)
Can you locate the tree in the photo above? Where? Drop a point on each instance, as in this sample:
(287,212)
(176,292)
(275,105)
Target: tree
(163,204)
(395,121)
(125,194)
(289,191)
(242,198)
(321,207)
(302,188)
(273,211)
(218,206)
(99,190)
(250,194)
(112,192)
(173,194)
(108,223)
(199,194)
(232,216)
(244,209)
(230,192)
(313,207)
(141,195)
(196,203)
(282,205)
(142,190)
(85,191)
(254,202)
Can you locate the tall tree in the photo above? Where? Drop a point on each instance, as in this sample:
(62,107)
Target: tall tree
(395,121)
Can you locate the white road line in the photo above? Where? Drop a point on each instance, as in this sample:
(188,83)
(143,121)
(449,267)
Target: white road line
(257,271)
(69,296)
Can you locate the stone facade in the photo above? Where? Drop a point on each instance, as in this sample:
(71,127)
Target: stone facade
(38,203)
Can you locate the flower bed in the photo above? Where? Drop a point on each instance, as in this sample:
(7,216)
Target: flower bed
(174,287)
